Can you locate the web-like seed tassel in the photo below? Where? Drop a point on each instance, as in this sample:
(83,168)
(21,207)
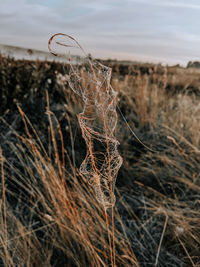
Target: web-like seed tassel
(98,122)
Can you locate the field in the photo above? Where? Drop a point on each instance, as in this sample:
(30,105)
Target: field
(50,215)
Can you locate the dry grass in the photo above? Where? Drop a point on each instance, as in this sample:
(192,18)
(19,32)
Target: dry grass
(60,211)
(169,124)
(49,213)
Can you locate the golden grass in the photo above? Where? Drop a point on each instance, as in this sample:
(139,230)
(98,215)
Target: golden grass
(65,207)
(56,215)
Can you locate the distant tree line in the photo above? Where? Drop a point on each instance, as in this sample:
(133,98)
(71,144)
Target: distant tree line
(193,64)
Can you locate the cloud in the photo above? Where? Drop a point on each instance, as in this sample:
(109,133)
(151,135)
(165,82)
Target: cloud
(192,4)
(182,4)
(29,23)
(164,30)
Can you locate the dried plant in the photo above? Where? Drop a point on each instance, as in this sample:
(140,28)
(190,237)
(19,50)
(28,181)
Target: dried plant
(97,121)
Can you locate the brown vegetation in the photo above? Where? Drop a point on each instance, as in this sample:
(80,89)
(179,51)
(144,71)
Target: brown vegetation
(49,213)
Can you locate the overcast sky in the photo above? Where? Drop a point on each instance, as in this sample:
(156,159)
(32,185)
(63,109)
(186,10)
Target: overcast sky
(166,31)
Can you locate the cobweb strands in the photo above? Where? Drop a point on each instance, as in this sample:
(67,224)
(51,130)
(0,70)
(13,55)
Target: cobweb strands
(91,80)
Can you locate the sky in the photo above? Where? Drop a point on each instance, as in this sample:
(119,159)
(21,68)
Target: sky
(165,31)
